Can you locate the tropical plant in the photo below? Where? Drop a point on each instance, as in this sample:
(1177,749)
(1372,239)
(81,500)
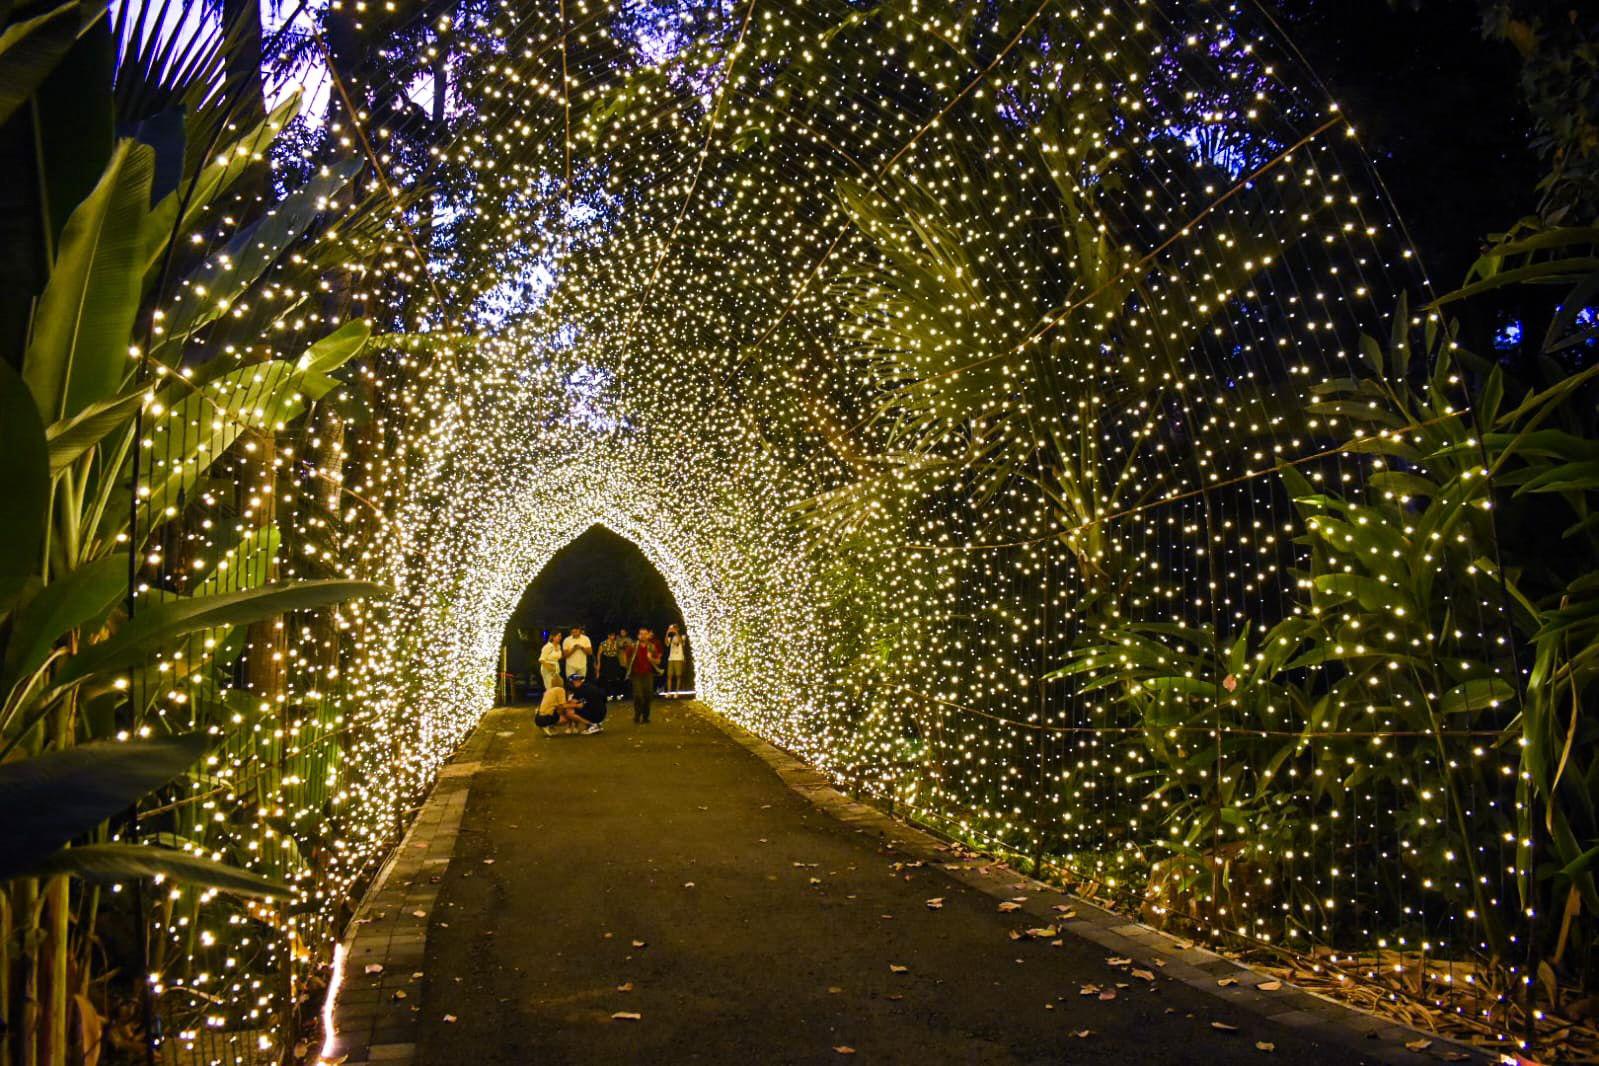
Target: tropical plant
(122,406)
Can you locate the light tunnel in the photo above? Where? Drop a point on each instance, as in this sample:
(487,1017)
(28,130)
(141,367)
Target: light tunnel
(1037,410)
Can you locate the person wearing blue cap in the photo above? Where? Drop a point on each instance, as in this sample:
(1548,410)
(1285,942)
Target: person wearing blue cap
(587,703)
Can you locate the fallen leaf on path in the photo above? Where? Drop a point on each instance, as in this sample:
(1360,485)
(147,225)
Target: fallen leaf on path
(1144,975)
(417,976)
(419,914)
(1226,982)
(1083,1034)
(688,884)
(1117,960)
(1107,994)
(1269,986)
(1064,911)
(626,1016)
(1418,1045)
(1088,990)
(488,862)
(935,903)
(834,990)
(640,944)
(450,1018)
(896,996)
(1223,1027)
(1265,1045)
(1007,907)
(844,1049)
(374,967)
(895,967)
(399,993)
(625,986)
(1043,932)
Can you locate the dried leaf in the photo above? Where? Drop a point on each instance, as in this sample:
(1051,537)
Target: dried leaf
(1008,906)
(1107,994)
(626,1016)
(895,967)
(1226,982)
(1265,1045)
(1223,1027)
(374,967)
(625,986)
(640,944)
(1418,1045)
(936,903)
(1117,960)
(844,1049)
(1083,1034)
(1144,975)
(1064,911)
(449,1019)
(1088,990)
(1269,986)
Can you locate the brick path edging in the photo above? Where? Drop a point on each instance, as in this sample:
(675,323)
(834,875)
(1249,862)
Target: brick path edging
(1370,1036)
(375,1015)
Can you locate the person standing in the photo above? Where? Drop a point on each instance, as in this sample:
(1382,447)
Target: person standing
(550,661)
(676,659)
(643,663)
(608,665)
(624,657)
(578,648)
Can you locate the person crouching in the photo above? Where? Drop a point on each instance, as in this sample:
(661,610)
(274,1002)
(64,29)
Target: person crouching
(587,704)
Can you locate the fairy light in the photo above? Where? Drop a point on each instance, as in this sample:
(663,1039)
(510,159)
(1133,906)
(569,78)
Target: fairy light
(923,357)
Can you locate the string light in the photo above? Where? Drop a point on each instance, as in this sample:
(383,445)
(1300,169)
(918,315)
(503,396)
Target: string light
(925,353)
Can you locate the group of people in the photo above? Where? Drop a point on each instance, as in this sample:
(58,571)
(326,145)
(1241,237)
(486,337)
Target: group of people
(578,683)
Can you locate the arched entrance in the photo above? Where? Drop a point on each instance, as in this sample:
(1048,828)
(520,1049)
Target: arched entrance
(601,581)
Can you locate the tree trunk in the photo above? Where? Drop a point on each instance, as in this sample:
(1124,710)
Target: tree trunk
(265,643)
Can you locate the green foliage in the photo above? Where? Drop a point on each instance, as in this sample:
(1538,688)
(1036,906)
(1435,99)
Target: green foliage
(57,797)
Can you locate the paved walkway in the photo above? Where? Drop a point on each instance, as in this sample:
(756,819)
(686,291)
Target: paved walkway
(657,894)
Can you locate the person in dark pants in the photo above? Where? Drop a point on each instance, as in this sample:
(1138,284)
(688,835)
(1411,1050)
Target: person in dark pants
(642,663)
(588,703)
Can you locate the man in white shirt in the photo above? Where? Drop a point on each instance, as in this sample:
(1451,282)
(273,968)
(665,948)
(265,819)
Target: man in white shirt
(578,648)
(676,659)
(550,661)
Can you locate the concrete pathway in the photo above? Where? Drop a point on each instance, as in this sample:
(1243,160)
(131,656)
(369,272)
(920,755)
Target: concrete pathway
(658,894)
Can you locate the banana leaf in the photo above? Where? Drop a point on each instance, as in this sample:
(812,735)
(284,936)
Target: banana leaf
(31,49)
(64,604)
(83,322)
(156,626)
(126,862)
(57,797)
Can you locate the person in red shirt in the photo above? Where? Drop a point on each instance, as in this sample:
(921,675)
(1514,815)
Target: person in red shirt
(643,662)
